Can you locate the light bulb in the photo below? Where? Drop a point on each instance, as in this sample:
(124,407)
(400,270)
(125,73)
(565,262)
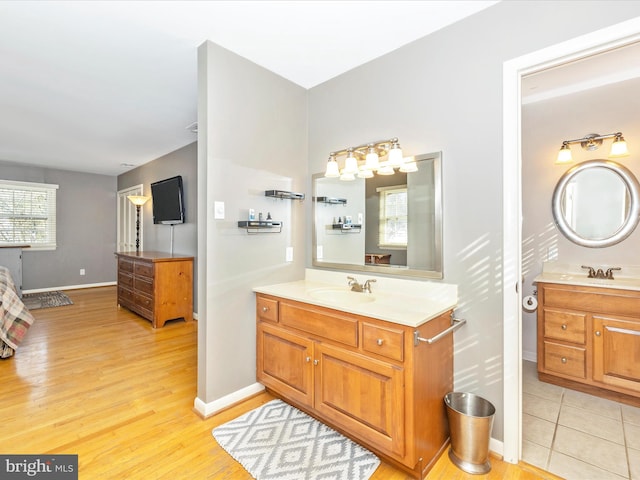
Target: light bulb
(619,147)
(564,155)
(395,154)
(372,160)
(333,170)
(350,164)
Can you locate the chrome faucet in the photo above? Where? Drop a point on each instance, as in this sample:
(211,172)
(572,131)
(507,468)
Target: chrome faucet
(357,287)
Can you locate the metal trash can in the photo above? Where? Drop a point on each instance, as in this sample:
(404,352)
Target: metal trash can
(470,422)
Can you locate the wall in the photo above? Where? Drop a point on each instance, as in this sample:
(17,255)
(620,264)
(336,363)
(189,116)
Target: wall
(252,137)
(546,124)
(85,231)
(158,237)
(444,93)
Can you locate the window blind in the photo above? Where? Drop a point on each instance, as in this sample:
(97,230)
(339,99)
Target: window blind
(28,214)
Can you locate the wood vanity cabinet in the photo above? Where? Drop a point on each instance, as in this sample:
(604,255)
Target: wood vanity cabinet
(589,339)
(157,286)
(362,376)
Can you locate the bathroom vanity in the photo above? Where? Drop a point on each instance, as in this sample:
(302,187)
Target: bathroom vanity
(589,335)
(354,361)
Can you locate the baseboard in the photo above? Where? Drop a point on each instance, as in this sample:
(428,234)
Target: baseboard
(530,356)
(70,287)
(207,409)
(496,446)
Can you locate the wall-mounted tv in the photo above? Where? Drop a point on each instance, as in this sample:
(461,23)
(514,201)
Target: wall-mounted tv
(168,201)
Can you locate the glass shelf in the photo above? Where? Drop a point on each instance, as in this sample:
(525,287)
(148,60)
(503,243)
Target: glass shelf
(260,226)
(284,194)
(332,200)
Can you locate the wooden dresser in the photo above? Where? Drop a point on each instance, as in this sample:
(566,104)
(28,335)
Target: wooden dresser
(156,285)
(589,340)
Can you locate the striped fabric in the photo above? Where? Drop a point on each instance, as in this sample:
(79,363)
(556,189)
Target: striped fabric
(15,319)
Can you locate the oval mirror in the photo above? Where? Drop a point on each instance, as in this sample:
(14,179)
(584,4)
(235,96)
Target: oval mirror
(597,203)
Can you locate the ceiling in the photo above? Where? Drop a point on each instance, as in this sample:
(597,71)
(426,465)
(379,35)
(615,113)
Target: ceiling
(104,86)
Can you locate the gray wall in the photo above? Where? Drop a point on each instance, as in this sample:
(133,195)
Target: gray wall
(86,228)
(158,237)
(252,137)
(545,125)
(444,93)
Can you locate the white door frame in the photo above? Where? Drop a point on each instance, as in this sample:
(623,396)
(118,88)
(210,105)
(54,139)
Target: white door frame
(513,71)
(126,219)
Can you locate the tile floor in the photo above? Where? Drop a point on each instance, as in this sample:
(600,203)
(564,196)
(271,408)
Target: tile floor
(575,435)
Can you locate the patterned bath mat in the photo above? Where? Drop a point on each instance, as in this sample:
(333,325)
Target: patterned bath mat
(33,301)
(279,442)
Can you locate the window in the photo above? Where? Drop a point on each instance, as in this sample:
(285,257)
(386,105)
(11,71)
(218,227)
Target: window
(28,214)
(393,217)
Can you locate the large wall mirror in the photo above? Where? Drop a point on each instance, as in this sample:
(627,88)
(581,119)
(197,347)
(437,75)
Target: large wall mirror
(386,224)
(597,203)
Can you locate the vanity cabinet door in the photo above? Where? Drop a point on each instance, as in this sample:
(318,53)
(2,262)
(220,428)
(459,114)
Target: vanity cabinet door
(363,396)
(616,352)
(284,363)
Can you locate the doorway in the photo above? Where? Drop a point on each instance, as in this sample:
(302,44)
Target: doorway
(513,71)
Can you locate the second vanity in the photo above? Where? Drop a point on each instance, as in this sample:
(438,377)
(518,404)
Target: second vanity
(359,362)
(589,334)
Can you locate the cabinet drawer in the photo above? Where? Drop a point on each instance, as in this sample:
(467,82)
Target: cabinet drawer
(570,327)
(144,269)
(383,341)
(593,300)
(566,360)
(125,279)
(143,285)
(125,265)
(331,324)
(125,296)
(267,309)
(144,302)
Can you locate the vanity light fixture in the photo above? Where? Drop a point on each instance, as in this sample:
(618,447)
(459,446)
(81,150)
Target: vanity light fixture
(363,160)
(592,142)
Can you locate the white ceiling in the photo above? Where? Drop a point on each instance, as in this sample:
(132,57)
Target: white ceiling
(103,86)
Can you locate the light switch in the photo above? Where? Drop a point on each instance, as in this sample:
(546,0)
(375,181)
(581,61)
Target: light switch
(289,254)
(218,210)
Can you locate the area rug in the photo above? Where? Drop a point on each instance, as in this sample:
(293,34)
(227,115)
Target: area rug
(33,301)
(278,441)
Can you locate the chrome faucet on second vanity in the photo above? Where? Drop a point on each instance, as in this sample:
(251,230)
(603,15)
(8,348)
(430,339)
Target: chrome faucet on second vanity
(357,287)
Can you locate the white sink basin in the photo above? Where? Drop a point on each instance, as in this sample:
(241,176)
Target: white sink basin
(340,295)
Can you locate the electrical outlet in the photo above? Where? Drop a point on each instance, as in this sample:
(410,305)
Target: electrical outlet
(82,272)
(289,254)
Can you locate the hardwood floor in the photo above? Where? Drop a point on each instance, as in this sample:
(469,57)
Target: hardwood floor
(95,380)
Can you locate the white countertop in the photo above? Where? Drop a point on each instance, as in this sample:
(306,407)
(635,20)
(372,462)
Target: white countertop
(405,302)
(628,278)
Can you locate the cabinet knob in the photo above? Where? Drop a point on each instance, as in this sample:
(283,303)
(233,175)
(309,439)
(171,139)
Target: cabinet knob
(315,362)
(564,326)
(265,309)
(380,342)
(598,333)
(564,360)
(308,359)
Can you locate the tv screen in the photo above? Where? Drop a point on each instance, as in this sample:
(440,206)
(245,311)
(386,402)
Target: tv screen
(168,201)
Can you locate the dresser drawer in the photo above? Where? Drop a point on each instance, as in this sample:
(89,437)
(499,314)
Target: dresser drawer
(143,269)
(144,302)
(125,265)
(383,341)
(566,360)
(331,325)
(143,285)
(125,296)
(570,327)
(266,309)
(125,279)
